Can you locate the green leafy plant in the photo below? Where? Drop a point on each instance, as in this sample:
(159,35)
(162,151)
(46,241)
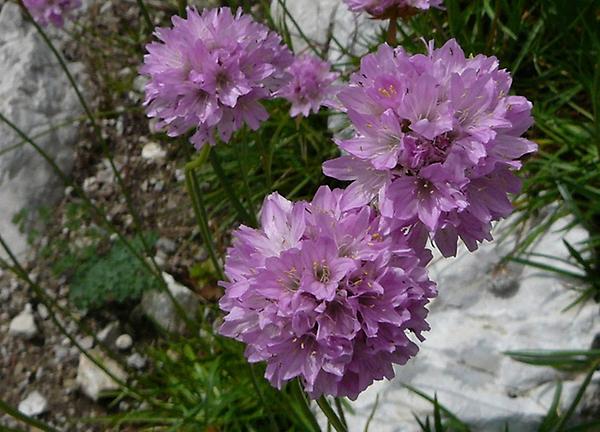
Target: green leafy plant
(113,277)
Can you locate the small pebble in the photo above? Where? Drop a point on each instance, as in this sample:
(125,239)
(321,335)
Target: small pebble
(42,311)
(136,361)
(34,404)
(124,342)
(23,325)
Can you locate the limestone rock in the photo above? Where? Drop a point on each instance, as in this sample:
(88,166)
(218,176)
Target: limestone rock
(34,404)
(136,361)
(23,325)
(153,152)
(124,342)
(157,305)
(110,333)
(317,18)
(35,95)
(92,380)
(482,311)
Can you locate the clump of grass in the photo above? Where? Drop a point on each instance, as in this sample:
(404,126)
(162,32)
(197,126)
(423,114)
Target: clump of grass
(204,383)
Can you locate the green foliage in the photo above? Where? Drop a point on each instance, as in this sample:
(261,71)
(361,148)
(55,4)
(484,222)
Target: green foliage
(284,155)
(204,383)
(116,276)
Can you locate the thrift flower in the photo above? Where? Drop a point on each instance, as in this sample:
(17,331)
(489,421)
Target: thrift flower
(311,85)
(438,138)
(209,72)
(326,294)
(387,8)
(51,11)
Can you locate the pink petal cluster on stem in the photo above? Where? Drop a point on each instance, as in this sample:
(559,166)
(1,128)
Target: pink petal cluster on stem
(326,294)
(54,12)
(311,85)
(438,138)
(384,8)
(209,72)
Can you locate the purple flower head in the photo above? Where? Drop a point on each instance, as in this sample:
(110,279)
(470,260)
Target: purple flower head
(389,8)
(311,85)
(325,293)
(438,138)
(209,73)
(54,12)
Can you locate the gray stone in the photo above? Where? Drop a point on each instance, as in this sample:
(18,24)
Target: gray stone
(482,311)
(166,245)
(86,342)
(42,311)
(124,342)
(92,380)
(153,152)
(35,95)
(136,361)
(109,333)
(23,325)
(34,404)
(317,18)
(157,305)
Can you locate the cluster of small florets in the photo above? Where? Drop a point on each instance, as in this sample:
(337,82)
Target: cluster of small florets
(387,8)
(326,293)
(209,73)
(311,85)
(54,12)
(334,291)
(437,140)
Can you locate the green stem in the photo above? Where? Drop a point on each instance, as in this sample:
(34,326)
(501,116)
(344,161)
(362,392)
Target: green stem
(182,7)
(202,218)
(331,415)
(391,37)
(298,28)
(340,410)
(300,396)
(242,158)
(25,419)
(145,14)
(245,217)
(262,399)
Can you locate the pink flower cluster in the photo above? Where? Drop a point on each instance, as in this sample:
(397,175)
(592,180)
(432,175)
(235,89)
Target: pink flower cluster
(311,85)
(382,8)
(334,291)
(326,293)
(438,138)
(45,12)
(209,73)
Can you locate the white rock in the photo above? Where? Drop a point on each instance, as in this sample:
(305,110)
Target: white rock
(136,361)
(153,152)
(86,342)
(109,333)
(472,323)
(34,404)
(42,311)
(124,342)
(157,305)
(166,245)
(23,325)
(35,95)
(315,18)
(92,380)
